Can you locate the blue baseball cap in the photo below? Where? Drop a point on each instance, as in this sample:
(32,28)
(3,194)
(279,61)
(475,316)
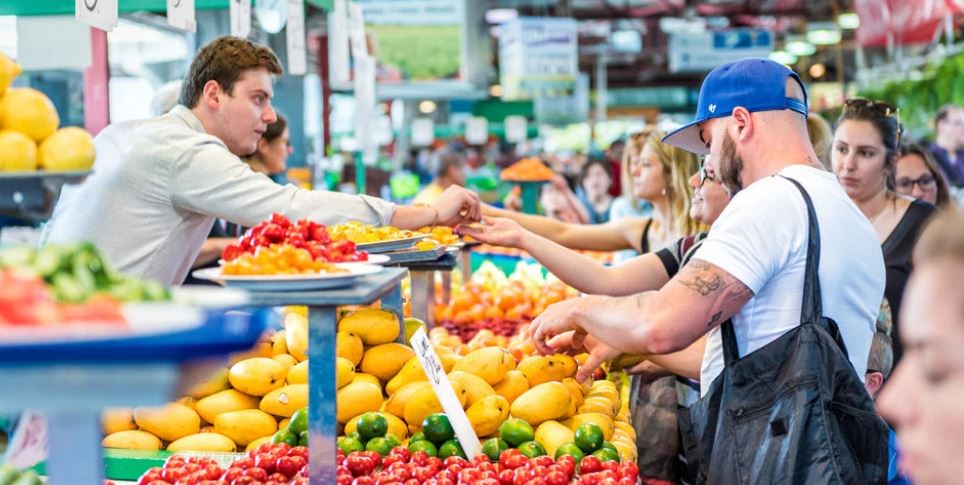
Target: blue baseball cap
(754,83)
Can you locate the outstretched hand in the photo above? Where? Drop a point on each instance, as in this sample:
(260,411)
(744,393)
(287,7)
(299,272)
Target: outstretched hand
(458,205)
(496,231)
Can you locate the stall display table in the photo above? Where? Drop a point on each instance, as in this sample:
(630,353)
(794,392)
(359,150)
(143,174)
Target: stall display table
(322,326)
(423,285)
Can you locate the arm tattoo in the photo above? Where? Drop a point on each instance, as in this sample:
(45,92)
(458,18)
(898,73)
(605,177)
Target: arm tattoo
(728,293)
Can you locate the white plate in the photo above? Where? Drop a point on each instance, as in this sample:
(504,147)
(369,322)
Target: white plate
(372,259)
(392,245)
(290,282)
(142,319)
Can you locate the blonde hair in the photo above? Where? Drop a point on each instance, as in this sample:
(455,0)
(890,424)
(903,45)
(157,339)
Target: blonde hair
(634,145)
(678,166)
(943,238)
(821,137)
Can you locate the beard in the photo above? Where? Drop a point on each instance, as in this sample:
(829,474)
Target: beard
(730,166)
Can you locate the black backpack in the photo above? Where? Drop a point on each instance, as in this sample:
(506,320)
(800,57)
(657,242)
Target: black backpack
(791,412)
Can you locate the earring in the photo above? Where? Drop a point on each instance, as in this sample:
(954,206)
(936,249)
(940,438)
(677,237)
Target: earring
(663,192)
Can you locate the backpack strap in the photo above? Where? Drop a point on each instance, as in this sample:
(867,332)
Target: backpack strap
(812,308)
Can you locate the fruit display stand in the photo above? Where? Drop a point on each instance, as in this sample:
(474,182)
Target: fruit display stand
(322,323)
(530,196)
(31,196)
(423,285)
(71,382)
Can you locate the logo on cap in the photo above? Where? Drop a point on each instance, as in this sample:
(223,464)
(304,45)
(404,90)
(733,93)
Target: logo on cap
(712,108)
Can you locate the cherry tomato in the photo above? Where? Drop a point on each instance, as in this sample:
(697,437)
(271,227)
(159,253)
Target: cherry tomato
(363,481)
(568,464)
(245,480)
(506,477)
(256,473)
(232,474)
(359,465)
(243,463)
(543,460)
(556,477)
(590,464)
(173,474)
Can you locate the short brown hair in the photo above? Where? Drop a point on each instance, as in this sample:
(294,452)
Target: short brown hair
(224,60)
(943,190)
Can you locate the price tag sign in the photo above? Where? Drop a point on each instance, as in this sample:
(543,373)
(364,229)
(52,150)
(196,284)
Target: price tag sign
(29,443)
(446,394)
(477,130)
(297,53)
(516,129)
(101,14)
(240,17)
(180,15)
(423,132)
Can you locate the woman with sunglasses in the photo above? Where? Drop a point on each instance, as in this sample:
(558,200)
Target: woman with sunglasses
(864,158)
(919,176)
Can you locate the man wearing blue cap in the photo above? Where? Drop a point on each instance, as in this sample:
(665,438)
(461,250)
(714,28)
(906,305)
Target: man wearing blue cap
(751,120)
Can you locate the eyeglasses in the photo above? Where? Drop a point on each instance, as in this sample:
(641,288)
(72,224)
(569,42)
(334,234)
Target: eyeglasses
(926,182)
(703,176)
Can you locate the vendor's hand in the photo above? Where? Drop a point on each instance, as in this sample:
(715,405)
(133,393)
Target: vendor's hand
(457,206)
(599,353)
(496,231)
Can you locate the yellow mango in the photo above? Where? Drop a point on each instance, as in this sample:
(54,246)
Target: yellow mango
(575,390)
(487,414)
(349,346)
(216,383)
(599,419)
(626,428)
(598,404)
(397,400)
(565,363)
(284,401)
(257,376)
(512,386)
(385,360)
(419,406)
(363,377)
(132,440)
(475,387)
(490,363)
(344,372)
(283,423)
(549,400)
(287,361)
(113,420)
(357,398)
(296,335)
(222,402)
(539,369)
(448,361)
(298,374)
(412,371)
(210,442)
(278,343)
(627,451)
(258,442)
(374,326)
(245,426)
(168,422)
(552,434)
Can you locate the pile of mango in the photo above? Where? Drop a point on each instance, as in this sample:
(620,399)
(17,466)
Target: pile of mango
(238,408)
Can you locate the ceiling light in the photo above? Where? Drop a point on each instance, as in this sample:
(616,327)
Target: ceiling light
(427,106)
(849,21)
(799,47)
(817,70)
(501,15)
(783,57)
(823,33)
(495,91)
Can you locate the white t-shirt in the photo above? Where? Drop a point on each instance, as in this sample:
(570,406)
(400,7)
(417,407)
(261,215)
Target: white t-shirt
(761,239)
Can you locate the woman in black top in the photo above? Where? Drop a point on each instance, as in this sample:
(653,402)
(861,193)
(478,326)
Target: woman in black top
(864,155)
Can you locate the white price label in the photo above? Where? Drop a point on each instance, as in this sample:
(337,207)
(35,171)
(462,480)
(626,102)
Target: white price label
(240,17)
(477,130)
(29,443)
(180,15)
(516,128)
(101,14)
(356,31)
(423,132)
(338,44)
(297,53)
(445,393)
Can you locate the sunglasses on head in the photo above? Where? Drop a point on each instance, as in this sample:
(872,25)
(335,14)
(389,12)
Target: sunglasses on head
(882,107)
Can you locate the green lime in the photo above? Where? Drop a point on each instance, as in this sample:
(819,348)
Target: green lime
(609,446)
(531,449)
(493,448)
(354,434)
(423,445)
(437,428)
(303,438)
(349,444)
(285,436)
(393,439)
(379,445)
(299,421)
(589,437)
(372,425)
(451,448)
(570,449)
(420,436)
(605,454)
(516,431)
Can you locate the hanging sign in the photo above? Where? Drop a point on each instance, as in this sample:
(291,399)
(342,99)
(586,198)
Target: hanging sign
(180,15)
(101,14)
(240,12)
(297,52)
